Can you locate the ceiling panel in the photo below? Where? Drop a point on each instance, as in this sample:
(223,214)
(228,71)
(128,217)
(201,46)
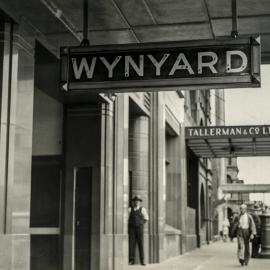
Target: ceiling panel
(173,11)
(136,12)
(222,8)
(36,15)
(59,40)
(252,25)
(111,37)
(102,14)
(174,32)
(116,21)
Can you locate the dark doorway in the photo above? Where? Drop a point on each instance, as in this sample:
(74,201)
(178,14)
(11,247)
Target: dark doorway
(83,218)
(45,215)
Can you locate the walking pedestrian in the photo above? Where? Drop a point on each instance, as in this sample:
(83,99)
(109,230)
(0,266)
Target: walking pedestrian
(245,232)
(137,218)
(233,226)
(256,242)
(225,229)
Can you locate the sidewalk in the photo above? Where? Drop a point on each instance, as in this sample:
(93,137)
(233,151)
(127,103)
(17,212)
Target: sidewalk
(216,256)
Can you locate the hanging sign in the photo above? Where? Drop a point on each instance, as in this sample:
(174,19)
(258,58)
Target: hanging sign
(227,132)
(195,65)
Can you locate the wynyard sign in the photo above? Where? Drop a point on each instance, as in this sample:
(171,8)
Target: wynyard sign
(162,66)
(227,132)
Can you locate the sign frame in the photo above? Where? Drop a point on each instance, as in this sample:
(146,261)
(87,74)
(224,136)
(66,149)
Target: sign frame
(252,79)
(235,132)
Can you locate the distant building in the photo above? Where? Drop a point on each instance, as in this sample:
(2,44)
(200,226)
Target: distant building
(235,199)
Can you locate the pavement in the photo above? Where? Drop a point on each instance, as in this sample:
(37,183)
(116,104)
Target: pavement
(216,256)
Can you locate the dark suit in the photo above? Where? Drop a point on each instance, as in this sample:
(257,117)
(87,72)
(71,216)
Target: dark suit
(256,242)
(135,231)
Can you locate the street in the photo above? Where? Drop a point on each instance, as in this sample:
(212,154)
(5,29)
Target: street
(216,256)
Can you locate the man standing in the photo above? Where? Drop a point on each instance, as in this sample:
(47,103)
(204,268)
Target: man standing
(137,218)
(256,242)
(245,232)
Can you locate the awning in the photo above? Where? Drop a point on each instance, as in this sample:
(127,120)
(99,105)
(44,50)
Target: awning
(229,141)
(245,188)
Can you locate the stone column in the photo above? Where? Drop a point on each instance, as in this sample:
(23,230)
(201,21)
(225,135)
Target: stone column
(139,163)
(107,188)
(265,227)
(16,114)
(157,185)
(120,221)
(138,156)
(114,184)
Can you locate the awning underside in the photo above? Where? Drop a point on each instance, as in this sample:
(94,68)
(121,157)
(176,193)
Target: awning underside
(204,142)
(220,148)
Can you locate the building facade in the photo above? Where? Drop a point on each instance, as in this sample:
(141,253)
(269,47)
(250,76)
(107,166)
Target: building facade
(235,199)
(71,163)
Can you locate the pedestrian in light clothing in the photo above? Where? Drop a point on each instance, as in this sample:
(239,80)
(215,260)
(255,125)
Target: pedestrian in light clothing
(137,218)
(256,242)
(245,232)
(225,229)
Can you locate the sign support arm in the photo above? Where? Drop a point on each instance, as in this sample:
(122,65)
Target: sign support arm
(234,33)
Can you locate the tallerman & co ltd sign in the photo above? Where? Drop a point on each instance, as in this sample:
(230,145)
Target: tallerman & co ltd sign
(227,132)
(162,66)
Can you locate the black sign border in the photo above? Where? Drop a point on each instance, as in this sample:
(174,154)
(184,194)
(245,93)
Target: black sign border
(249,80)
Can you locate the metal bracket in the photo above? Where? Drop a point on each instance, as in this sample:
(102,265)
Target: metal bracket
(85,42)
(234,33)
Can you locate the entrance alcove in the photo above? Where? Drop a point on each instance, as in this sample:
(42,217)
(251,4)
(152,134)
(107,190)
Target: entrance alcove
(47,166)
(138,162)
(66,173)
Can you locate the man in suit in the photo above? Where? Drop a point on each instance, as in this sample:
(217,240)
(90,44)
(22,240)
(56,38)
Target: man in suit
(256,242)
(246,231)
(137,218)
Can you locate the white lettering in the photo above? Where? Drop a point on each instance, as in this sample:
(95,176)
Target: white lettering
(159,64)
(210,64)
(229,68)
(257,130)
(266,130)
(225,131)
(238,131)
(130,62)
(109,66)
(177,66)
(218,131)
(83,66)
(232,132)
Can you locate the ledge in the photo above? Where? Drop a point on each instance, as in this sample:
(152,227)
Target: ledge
(169,230)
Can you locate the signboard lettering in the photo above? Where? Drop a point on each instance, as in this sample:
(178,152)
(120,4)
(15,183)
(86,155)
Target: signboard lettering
(225,132)
(166,66)
(88,65)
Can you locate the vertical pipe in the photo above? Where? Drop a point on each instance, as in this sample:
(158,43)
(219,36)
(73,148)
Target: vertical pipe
(85,42)
(85,19)
(234,32)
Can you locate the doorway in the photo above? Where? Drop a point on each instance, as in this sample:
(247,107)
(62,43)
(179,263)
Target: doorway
(82,221)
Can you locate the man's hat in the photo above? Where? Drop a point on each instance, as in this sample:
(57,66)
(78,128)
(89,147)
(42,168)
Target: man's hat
(256,207)
(137,198)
